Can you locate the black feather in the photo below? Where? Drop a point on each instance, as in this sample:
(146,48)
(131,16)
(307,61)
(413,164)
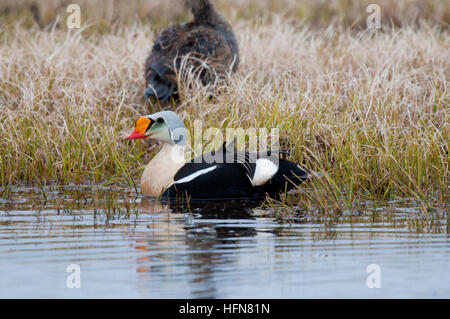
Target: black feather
(232,175)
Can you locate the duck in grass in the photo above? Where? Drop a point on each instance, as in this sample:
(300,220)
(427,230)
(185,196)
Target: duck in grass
(206,45)
(224,174)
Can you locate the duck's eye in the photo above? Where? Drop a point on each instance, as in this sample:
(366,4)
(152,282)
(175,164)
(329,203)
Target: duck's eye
(160,120)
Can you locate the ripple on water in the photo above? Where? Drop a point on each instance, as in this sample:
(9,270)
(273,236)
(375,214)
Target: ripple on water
(132,248)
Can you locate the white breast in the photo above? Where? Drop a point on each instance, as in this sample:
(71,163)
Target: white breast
(162,168)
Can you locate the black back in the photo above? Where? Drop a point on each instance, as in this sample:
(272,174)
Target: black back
(230,177)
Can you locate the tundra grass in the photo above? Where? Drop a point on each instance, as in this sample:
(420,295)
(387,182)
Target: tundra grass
(109,15)
(367,108)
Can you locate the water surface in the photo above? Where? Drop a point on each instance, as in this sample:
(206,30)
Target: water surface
(128,247)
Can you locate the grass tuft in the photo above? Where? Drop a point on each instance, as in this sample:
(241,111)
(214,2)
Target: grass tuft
(369,109)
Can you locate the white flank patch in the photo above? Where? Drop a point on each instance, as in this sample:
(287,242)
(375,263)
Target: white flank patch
(196,174)
(265,170)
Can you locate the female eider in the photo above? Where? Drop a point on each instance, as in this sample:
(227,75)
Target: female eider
(207,44)
(232,174)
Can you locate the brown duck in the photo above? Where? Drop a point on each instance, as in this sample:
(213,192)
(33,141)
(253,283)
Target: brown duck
(207,45)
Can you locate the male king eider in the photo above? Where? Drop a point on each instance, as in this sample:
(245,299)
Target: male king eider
(207,45)
(232,174)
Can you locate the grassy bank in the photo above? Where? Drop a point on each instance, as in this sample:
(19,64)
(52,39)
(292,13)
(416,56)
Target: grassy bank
(369,109)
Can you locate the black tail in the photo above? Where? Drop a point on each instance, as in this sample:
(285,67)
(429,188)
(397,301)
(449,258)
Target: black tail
(289,174)
(291,171)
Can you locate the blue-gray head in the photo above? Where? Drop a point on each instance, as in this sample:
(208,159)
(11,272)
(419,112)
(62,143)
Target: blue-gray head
(165,126)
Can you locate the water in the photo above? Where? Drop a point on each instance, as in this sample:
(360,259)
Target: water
(127,247)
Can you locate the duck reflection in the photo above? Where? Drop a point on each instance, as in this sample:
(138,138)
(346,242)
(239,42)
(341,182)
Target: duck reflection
(204,232)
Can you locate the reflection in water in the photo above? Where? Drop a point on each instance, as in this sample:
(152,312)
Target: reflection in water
(132,247)
(206,242)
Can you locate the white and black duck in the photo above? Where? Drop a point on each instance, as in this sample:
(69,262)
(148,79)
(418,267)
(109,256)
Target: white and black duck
(233,175)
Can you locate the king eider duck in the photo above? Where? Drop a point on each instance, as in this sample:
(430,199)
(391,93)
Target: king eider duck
(233,174)
(207,44)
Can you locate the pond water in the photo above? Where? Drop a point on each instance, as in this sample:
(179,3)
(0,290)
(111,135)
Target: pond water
(118,245)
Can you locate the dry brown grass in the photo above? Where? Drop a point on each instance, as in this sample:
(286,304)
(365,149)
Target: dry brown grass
(369,109)
(108,15)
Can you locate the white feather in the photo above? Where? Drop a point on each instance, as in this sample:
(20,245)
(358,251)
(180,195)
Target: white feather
(264,171)
(195,175)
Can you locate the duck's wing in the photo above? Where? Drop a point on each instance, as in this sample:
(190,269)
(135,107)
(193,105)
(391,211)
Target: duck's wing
(212,181)
(265,169)
(215,175)
(259,167)
(206,163)
(230,173)
(246,167)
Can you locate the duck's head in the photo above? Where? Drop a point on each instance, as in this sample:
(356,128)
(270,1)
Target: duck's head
(165,126)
